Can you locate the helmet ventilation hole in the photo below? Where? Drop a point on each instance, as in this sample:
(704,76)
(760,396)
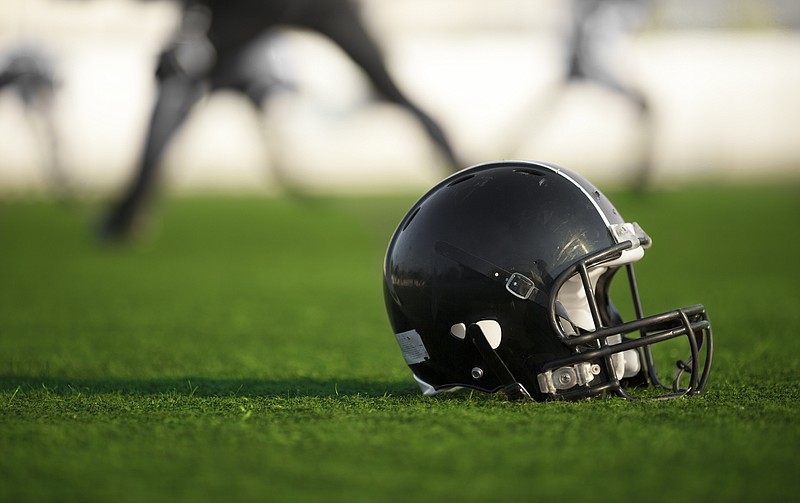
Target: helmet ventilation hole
(528,171)
(408,222)
(462,179)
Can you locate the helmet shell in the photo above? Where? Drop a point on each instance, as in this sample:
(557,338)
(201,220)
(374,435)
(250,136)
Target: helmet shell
(523,217)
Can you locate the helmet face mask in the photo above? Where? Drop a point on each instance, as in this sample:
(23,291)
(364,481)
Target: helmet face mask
(498,279)
(607,348)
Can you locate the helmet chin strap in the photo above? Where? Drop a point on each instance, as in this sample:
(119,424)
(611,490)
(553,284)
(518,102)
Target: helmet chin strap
(511,386)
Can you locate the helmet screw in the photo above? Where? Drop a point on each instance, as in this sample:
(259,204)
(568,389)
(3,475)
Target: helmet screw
(565,378)
(477,373)
(596,369)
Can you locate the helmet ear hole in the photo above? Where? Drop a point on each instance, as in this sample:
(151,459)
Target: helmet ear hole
(492,331)
(459,331)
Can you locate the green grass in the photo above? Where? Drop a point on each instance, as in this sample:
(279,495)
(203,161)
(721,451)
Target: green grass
(241,352)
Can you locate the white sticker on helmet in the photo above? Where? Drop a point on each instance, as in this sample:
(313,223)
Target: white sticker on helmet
(413,348)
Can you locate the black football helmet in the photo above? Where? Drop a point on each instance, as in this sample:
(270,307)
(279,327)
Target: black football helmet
(498,278)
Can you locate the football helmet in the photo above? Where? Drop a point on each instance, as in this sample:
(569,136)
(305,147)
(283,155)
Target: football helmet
(499,279)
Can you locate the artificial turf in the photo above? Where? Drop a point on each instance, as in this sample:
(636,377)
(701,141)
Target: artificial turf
(240,351)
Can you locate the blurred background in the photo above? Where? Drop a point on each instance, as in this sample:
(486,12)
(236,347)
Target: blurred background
(721,80)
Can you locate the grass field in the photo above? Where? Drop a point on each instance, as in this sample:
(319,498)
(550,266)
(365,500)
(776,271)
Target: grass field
(241,352)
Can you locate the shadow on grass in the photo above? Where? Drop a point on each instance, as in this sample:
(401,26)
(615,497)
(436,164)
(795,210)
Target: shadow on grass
(207,387)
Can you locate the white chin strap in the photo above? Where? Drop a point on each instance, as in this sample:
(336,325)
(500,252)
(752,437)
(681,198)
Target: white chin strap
(572,297)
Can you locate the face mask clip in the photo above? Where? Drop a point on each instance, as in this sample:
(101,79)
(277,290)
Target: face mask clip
(563,378)
(632,232)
